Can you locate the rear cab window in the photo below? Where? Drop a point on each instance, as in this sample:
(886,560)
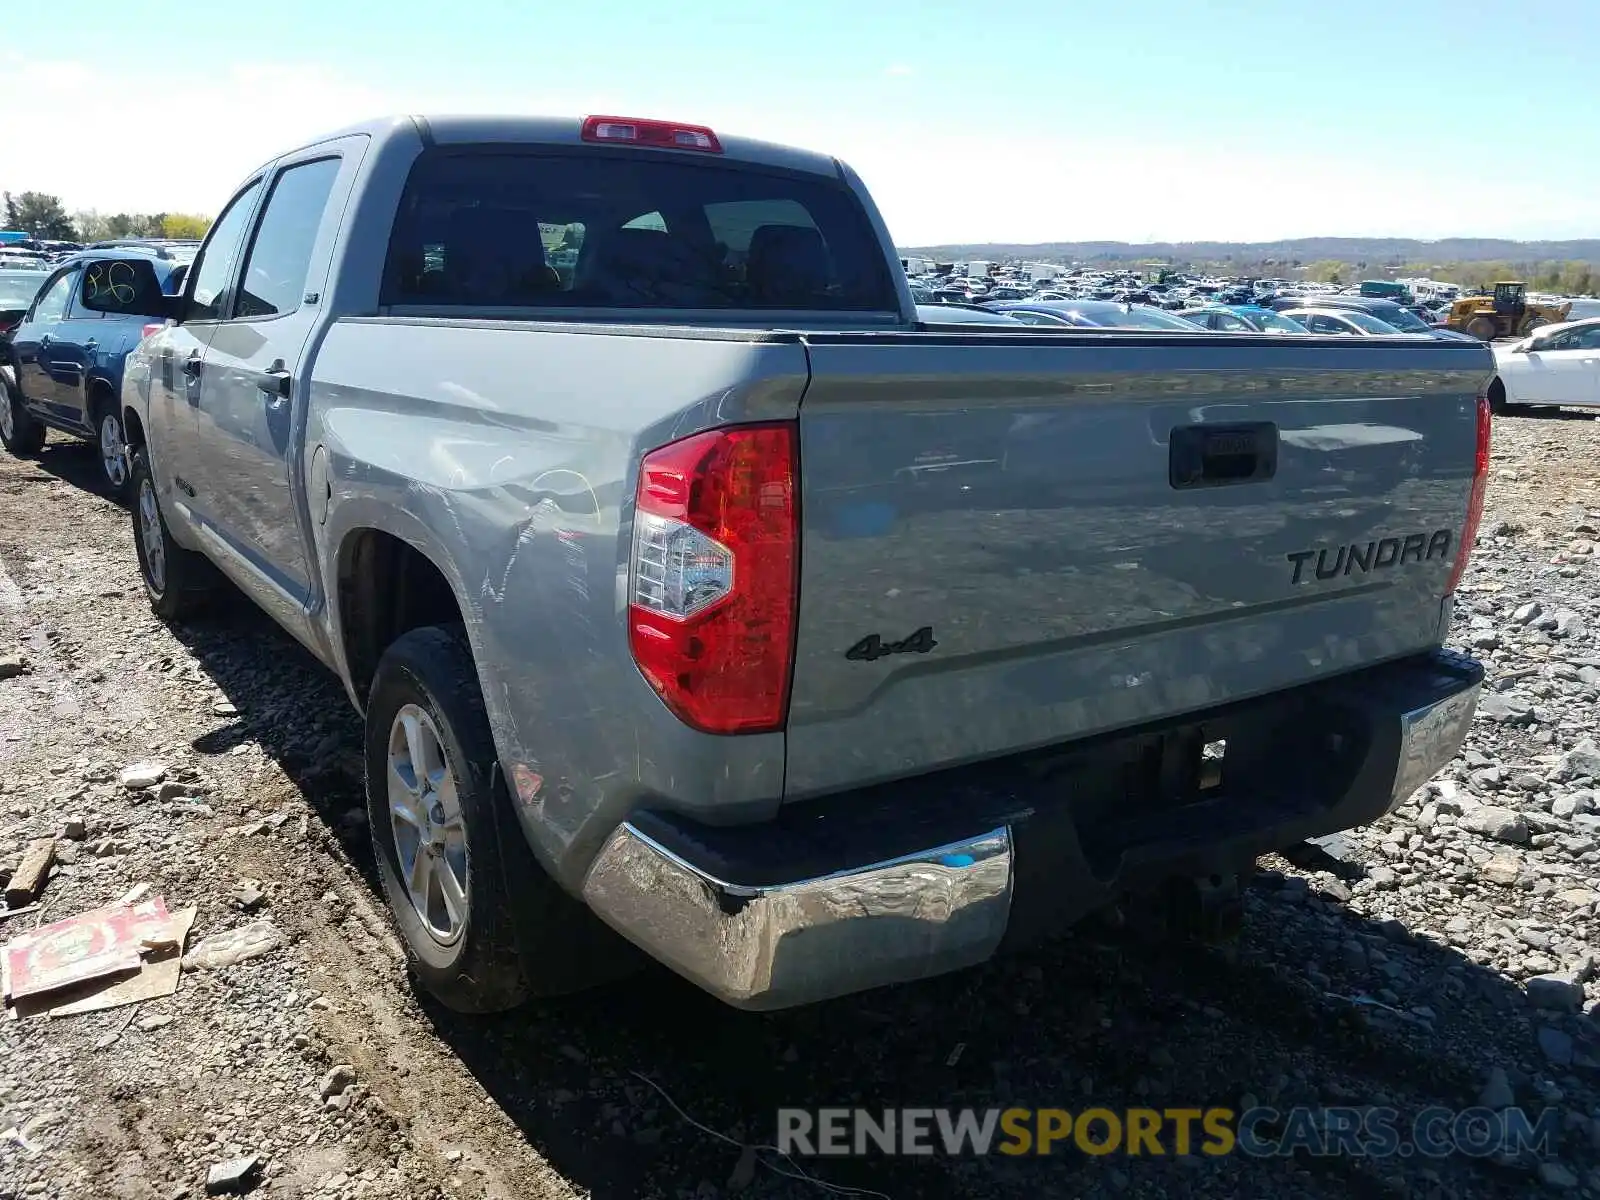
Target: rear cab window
(497,227)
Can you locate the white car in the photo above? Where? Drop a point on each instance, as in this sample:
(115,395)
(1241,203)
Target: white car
(1559,364)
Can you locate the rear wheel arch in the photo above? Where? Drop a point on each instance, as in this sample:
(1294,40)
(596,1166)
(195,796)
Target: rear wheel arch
(100,395)
(385,587)
(133,428)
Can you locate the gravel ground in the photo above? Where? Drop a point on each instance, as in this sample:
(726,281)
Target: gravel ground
(1444,957)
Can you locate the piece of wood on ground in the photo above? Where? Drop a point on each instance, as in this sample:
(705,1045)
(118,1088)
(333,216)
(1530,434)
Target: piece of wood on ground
(29,877)
(135,894)
(17,912)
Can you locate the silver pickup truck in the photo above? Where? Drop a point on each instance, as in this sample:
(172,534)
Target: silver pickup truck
(694,591)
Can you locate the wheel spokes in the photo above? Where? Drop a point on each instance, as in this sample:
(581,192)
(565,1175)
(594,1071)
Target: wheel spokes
(420,876)
(427,825)
(414,736)
(404,808)
(451,893)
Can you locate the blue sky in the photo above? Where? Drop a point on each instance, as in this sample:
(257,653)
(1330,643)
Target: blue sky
(1055,119)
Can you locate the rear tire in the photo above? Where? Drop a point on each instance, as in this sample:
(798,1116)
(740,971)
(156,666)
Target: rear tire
(19,432)
(485,927)
(178,583)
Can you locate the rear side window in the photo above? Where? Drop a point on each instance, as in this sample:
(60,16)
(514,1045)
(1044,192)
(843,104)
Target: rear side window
(598,229)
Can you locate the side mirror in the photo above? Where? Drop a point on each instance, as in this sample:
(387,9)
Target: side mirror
(124,287)
(1525,346)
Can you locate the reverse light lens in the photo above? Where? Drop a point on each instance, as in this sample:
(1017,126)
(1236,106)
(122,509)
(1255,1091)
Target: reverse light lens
(714,574)
(678,570)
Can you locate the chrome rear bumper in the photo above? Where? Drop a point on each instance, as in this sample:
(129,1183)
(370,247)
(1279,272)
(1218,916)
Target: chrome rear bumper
(760,933)
(1429,738)
(796,942)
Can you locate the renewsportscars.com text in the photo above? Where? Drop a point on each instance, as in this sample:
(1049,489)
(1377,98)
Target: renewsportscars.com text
(1367,1131)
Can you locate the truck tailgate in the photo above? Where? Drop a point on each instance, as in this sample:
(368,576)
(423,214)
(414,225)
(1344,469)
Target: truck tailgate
(1016,540)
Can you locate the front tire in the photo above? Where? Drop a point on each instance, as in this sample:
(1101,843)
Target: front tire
(485,927)
(19,432)
(178,583)
(1483,328)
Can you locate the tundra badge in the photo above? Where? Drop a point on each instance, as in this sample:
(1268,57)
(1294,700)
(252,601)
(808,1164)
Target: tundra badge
(1378,555)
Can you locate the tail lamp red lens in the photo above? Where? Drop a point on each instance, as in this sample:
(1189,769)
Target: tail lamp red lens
(1480,484)
(714,576)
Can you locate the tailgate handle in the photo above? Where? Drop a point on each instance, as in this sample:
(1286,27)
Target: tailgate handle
(1220,455)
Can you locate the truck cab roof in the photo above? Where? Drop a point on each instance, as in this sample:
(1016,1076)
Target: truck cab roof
(461,129)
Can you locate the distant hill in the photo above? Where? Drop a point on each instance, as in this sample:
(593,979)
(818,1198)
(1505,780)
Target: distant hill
(1368,251)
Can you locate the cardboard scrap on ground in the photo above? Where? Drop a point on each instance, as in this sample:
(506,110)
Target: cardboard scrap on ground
(111,956)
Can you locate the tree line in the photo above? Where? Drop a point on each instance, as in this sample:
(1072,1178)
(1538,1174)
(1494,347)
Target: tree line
(43,216)
(1569,278)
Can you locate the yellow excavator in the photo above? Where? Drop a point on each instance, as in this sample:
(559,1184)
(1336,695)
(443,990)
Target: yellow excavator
(1506,313)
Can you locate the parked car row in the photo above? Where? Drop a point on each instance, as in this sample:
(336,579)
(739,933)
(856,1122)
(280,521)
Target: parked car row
(1555,365)
(64,359)
(1411,306)
(1335,315)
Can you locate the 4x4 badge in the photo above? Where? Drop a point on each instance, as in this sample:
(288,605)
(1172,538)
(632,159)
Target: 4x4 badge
(872,647)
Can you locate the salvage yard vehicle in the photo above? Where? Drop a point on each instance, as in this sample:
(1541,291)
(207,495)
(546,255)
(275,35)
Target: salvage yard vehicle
(962,314)
(1097,314)
(17,290)
(1505,313)
(1558,365)
(1242,318)
(67,356)
(702,596)
(1349,322)
(1389,312)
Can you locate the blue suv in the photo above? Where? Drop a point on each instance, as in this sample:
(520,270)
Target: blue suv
(67,359)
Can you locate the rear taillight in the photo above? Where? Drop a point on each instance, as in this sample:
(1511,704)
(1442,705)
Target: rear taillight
(1480,483)
(157,327)
(714,574)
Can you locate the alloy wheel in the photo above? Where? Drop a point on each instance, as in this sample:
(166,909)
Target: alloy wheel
(152,535)
(430,839)
(113,451)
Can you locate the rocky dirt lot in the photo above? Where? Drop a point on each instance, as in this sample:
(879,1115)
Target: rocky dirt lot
(1445,957)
